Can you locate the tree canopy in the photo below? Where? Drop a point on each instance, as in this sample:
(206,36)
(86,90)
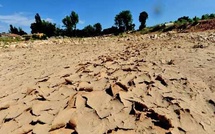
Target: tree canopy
(36,27)
(42,26)
(74,18)
(98,28)
(70,22)
(90,30)
(142,19)
(124,21)
(15,30)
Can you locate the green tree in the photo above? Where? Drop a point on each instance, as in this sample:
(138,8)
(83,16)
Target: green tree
(59,31)
(42,26)
(70,22)
(142,19)
(111,30)
(88,31)
(205,16)
(212,16)
(124,20)
(49,28)
(37,26)
(15,30)
(38,19)
(21,32)
(184,19)
(98,28)
(196,19)
(75,19)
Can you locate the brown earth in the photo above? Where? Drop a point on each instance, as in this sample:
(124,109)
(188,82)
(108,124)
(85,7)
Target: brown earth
(203,25)
(134,84)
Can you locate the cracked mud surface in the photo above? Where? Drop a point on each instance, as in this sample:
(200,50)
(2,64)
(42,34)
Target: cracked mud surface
(137,84)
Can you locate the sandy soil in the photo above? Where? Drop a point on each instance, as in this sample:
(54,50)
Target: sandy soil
(135,84)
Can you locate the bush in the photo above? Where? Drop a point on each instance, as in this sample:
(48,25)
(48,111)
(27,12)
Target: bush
(205,17)
(212,16)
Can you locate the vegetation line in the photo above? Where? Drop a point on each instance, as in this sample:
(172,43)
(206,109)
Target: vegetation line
(123,23)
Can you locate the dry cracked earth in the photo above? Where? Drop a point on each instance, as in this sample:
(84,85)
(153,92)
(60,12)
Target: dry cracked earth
(132,84)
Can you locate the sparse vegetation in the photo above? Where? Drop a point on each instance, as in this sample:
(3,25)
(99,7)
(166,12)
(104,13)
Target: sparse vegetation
(9,39)
(181,23)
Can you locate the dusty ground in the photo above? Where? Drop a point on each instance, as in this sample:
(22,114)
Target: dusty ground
(135,84)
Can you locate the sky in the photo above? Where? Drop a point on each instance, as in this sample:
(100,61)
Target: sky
(20,13)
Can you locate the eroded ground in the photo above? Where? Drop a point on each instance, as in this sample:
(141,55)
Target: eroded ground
(137,84)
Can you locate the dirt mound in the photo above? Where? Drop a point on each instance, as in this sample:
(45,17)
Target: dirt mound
(203,25)
(132,84)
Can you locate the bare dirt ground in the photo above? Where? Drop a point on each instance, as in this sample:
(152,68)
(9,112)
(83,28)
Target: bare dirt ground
(134,84)
(203,25)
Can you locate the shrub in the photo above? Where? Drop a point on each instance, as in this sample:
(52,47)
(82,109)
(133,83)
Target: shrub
(205,17)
